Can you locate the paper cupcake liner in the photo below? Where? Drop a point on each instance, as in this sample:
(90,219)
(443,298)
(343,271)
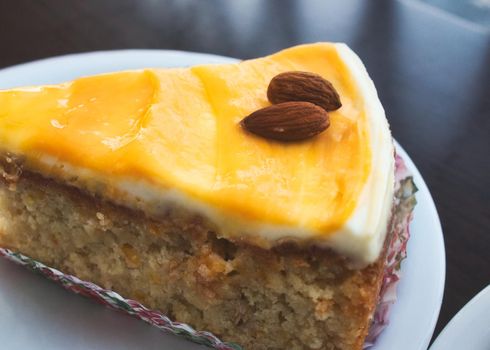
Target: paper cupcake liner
(397,252)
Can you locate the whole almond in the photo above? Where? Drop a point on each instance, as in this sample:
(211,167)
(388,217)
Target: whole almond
(288,121)
(303,86)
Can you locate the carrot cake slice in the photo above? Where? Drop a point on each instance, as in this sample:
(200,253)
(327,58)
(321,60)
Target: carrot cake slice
(254,200)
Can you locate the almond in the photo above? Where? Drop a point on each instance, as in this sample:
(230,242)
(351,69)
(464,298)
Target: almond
(288,121)
(303,86)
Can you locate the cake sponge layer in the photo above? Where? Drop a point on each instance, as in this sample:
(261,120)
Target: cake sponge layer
(284,298)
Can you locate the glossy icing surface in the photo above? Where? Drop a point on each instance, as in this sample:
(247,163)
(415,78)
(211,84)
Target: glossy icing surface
(177,130)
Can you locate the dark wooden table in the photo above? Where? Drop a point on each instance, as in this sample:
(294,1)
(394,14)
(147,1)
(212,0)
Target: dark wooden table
(432,72)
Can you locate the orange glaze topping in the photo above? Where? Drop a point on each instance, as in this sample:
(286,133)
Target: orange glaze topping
(179,129)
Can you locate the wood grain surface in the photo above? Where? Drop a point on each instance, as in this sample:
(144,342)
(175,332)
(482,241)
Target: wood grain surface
(431,71)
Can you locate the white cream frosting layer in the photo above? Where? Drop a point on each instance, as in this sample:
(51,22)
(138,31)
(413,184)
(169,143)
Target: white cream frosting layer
(364,233)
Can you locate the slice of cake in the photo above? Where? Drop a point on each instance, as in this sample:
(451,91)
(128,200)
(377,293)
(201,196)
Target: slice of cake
(254,200)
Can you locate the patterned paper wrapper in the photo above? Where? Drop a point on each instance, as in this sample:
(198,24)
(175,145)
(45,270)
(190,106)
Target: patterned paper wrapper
(397,250)
(405,202)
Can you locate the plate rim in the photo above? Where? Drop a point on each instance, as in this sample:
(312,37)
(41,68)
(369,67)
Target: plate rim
(213,58)
(467,312)
(76,55)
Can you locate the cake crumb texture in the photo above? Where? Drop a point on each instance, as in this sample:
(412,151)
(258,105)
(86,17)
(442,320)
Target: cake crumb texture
(285,298)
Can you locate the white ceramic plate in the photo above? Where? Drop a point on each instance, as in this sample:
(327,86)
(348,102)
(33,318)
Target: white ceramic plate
(37,314)
(470,328)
